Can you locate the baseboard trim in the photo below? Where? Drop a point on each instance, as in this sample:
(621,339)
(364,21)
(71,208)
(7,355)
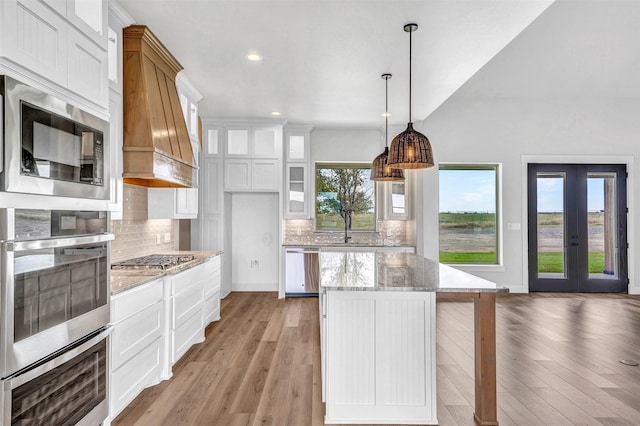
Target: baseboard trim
(254,287)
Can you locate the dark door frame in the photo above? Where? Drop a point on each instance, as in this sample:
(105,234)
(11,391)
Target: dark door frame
(577,275)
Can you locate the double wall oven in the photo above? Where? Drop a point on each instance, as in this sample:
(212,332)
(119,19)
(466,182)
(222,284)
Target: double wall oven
(55,312)
(54,262)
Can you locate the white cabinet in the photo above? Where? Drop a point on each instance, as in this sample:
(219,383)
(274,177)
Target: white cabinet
(265,175)
(252,158)
(207,231)
(237,175)
(172,203)
(396,199)
(379,357)
(253,141)
(117,20)
(115,134)
(211,310)
(297,191)
(297,199)
(35,37)
(60,42)
(186,325)
(136,343)
(252,175)
(212,182)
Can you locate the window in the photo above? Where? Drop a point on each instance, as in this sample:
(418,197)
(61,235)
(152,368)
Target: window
(344,190)
(469,214)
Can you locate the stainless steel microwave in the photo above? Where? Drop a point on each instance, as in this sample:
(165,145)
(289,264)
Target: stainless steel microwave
(50,146)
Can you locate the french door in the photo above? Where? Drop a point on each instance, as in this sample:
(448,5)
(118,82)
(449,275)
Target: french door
(577,230)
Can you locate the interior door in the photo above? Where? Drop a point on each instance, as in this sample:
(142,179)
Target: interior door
(577,228)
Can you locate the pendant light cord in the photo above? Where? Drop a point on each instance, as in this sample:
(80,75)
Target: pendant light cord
(386,112)
(410,33)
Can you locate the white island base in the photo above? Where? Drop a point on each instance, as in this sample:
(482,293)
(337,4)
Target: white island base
(378,357)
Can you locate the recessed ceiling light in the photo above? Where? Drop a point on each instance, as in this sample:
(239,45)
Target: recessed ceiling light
(276,113)
(385,114)
(254,57)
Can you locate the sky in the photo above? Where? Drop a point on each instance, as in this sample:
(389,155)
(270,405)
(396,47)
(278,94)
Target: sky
(467,191)
(474,191)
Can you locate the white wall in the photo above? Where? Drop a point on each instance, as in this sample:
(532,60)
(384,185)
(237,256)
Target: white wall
(254,234)
(527,101)
(331,145)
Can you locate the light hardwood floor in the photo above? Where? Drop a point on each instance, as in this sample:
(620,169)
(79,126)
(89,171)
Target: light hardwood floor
(557,364)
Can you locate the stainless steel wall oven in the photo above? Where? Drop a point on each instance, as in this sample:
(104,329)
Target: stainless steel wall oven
(51,147)
(55,313)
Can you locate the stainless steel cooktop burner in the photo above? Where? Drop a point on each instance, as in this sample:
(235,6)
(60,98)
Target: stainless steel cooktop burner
(154,261)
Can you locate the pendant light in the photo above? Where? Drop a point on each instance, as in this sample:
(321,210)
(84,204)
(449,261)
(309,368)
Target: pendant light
(380,170)
(410,149)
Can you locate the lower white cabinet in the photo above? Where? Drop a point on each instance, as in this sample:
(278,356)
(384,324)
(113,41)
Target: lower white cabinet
(136,343)
(378,357)
(194,303)
(211,311)
(186,325)
(155,324)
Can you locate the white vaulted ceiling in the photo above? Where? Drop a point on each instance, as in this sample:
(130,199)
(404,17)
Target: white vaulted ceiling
(323,58)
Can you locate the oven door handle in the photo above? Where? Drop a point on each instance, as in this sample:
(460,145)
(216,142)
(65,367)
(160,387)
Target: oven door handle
(57,242)
(58,358)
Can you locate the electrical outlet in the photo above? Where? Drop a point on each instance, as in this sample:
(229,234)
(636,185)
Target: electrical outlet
(255,264)
(158,239)
(167,237)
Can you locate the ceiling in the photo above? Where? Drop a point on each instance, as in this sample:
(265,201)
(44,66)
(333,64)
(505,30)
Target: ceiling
(322,59)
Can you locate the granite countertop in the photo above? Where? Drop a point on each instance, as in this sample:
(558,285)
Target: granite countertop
(379,271)
(125,279)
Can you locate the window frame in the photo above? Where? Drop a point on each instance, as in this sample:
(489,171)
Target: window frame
(343,165)
(499,247)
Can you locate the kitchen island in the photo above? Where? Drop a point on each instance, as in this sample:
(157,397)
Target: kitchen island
(378,337)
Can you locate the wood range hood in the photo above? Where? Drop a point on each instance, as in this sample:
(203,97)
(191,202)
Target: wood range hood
(156,146)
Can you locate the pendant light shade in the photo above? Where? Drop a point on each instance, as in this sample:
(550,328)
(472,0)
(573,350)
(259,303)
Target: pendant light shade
(380,169)
(410,149)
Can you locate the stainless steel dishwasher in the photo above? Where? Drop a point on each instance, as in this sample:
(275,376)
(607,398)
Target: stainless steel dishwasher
(302,275)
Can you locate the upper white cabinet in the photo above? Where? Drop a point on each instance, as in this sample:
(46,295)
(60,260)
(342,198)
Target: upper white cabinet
(59,42)
(252,155)
(297,168)
(297,143)
(189,98)
(249,141)
(172,203)
(118,19)
(297,191)
(397,200)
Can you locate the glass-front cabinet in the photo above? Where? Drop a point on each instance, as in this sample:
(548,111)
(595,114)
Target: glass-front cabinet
(297,190)
(297,156)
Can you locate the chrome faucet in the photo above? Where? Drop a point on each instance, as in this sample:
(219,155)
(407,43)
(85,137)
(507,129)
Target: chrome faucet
(347,222)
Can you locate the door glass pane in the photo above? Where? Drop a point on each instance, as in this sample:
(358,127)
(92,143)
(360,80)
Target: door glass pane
(601,224)
(551,225)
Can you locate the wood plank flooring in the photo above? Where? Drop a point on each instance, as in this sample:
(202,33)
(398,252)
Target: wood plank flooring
(557,360)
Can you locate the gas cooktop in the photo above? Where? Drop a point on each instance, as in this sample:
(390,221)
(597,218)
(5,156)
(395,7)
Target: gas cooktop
(154,261)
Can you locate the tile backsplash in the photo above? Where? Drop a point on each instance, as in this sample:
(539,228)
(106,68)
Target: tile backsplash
(135,234)
(303,232)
